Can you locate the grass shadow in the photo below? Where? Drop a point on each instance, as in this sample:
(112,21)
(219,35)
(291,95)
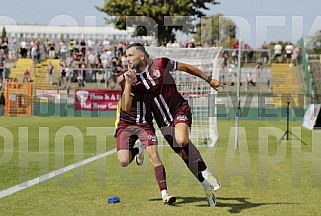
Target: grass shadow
(243,203)
(235,204)
(181,200)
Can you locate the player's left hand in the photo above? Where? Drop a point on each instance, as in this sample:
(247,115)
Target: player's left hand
(215,84)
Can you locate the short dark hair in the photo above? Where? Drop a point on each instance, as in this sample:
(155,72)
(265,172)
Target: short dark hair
(139,47)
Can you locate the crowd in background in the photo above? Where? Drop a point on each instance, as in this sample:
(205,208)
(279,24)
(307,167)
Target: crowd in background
(289,53)
(101,60)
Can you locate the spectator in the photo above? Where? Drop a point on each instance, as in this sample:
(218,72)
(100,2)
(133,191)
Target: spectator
(264,54)
(12,48)
(50,69)
(106,58)
(2,62)
(71,47)
(81,74)
(250,80)
(246,53)
(112,80)
(4,48)
(289,51)
(259,66)
(69,75)
(123,60)
(46,48)
(119,49)
(2,100)
(225,57)
(83,46)
(14,83)
(52,52)
(26,76)
(278,52)
(105,42)
(231,73)
(117,68)
(190,44)
(35,52)
(63,79)
(63,50)
(297,56)
(235,47)
(91,59)
(2,103)
(23,48)
(90,43)
(169,44)
(176,44)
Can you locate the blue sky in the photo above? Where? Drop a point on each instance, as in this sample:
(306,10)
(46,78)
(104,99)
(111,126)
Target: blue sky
(269,20)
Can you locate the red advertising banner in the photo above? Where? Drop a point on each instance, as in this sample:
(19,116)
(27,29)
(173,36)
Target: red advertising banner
(96,99)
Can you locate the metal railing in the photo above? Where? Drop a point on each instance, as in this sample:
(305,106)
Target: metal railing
(12,53)
(80,76)
(250,55)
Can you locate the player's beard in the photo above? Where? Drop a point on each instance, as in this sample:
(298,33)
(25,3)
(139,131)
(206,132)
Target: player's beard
(134,66)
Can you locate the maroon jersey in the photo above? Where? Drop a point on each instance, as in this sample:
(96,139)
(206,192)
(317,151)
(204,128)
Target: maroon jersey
(159,91)
(139,113)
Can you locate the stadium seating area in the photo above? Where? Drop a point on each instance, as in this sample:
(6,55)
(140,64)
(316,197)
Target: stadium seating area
(42,73)
(19,68)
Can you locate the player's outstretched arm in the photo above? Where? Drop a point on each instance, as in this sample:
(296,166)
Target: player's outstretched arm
(214,83)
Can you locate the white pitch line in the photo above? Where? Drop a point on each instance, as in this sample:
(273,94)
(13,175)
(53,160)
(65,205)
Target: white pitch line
(56,153)
(27,184)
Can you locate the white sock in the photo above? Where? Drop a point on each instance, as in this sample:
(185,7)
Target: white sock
(164,193)
(140,149)
(205,185)
(206,173)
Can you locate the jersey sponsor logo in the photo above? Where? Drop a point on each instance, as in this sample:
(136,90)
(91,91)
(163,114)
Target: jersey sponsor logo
(156,73)
(152,137)
(181,118)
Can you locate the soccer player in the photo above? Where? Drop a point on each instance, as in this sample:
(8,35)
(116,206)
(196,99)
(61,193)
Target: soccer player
(152,80)
(135,122)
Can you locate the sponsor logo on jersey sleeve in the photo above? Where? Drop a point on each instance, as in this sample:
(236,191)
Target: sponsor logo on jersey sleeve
(156,73)
(152,138)
(181,118)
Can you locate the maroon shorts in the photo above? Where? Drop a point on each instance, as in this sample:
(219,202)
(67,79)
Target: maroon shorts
(183,115)
(127,136)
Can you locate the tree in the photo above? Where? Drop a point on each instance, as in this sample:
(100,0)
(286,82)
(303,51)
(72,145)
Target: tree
(314,43)
(216,29)
(158,18)
(4,33)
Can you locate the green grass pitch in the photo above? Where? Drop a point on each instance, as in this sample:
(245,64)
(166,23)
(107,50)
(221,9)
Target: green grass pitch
(260,178)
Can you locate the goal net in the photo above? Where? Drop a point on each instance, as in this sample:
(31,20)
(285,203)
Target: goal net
(198,93)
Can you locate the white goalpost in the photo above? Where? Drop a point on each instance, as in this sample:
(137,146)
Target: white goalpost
(200,95)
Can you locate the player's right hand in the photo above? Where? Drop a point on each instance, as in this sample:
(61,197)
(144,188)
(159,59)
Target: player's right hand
(130,75)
